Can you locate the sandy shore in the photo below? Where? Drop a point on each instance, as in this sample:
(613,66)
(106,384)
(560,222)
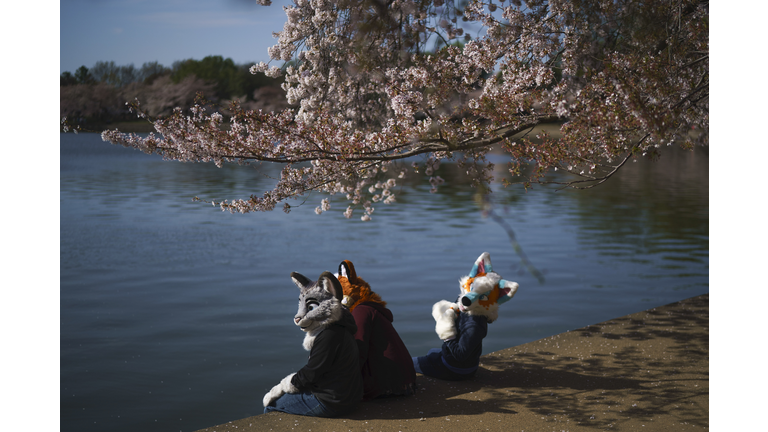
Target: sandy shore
(646,371)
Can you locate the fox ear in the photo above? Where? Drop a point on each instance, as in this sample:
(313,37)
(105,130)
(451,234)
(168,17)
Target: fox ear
(347,269)
(329,282)
(300,280)
(507,290)
(482,265)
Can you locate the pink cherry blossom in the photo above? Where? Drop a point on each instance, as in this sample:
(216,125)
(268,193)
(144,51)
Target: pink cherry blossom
(372,84)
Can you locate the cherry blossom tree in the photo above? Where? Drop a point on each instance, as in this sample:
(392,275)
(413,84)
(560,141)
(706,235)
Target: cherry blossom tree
(372,83)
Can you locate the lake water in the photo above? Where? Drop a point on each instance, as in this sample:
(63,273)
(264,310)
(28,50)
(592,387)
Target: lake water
(177,316)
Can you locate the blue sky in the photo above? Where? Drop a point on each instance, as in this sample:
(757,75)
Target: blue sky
(140,31)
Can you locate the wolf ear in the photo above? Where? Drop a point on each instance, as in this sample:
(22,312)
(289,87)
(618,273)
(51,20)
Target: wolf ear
(507,290)
(300,280)
(482,265)
(329,282)
(347,270)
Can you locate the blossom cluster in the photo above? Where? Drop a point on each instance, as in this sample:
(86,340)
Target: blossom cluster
(372,84)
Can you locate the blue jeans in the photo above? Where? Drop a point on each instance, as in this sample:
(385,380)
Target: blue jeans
(435,366)
(305,404)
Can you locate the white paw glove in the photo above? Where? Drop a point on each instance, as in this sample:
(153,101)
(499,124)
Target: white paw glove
(445,313)
(273,395)
(280,389)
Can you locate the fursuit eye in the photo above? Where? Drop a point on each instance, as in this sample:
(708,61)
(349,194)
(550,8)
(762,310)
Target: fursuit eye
(312,305)
(484,297)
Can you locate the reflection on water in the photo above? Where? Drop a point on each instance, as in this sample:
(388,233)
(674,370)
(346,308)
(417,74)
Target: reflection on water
(177,316)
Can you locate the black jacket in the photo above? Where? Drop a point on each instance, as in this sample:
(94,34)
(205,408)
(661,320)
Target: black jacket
(332,370)
(464,351)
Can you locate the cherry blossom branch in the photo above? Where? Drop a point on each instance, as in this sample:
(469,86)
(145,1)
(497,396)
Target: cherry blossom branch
(368,94)
(596,180)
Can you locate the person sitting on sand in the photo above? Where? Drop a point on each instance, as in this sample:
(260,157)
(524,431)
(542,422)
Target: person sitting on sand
(385,363)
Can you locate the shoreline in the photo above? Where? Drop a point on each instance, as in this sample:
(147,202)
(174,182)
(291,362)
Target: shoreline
(647,369)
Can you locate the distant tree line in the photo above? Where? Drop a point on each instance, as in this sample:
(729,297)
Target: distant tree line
(96,97)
